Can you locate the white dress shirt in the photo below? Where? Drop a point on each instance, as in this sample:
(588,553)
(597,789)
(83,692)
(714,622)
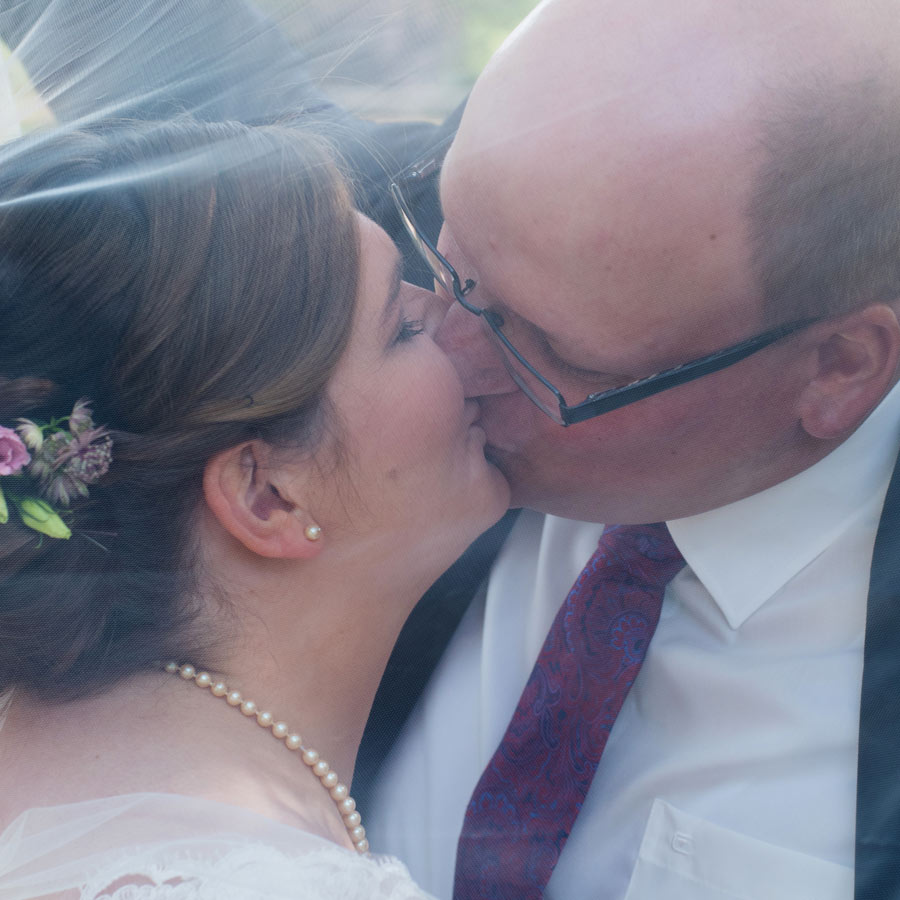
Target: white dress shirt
(730,773)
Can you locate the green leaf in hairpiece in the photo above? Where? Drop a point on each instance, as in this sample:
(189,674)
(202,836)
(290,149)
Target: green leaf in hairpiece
(41,516)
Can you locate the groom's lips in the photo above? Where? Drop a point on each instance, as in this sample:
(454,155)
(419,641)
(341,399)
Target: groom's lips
(494,455)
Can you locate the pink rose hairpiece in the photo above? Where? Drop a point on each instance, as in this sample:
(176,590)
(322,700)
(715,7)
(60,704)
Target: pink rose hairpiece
(45,467)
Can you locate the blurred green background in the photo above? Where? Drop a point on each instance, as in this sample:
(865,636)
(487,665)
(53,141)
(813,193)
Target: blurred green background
(398,58)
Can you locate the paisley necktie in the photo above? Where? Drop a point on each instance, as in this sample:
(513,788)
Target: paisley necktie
(523,808)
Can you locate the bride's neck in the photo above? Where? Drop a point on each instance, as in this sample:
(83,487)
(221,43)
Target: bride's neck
(310,650)
(311,647)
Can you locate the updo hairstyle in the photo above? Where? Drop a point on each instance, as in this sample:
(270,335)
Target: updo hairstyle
(197,283)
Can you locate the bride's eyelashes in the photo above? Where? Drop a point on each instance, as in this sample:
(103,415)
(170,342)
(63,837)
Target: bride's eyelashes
(409,328)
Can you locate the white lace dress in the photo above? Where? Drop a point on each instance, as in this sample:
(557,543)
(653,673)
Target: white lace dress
(156,846)
(170,847)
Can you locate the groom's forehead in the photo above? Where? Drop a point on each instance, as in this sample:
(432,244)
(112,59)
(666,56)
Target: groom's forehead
(643,215)
(625,264)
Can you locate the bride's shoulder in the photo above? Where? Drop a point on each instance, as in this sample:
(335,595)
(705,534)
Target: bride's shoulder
(256,871)
(164,847)
(253,873)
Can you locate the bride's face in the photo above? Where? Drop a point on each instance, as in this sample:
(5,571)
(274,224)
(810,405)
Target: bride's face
(412,468)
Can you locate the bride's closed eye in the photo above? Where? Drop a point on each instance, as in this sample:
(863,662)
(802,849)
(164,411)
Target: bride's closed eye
(422,313)
(409,328)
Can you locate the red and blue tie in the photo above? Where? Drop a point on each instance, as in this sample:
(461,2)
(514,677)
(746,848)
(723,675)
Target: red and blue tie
(524,806)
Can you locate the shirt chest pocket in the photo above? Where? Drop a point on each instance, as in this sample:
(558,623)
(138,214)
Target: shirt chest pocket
(686,858)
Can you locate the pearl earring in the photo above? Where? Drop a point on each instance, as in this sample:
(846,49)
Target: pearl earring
(312,532)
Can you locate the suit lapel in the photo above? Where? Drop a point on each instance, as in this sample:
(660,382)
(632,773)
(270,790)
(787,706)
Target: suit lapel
(878,775)
(419,648)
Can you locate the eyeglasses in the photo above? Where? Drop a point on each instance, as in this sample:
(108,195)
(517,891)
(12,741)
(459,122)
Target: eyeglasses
(539,389)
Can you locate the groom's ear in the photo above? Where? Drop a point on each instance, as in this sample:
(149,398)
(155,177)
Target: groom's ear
(239,486)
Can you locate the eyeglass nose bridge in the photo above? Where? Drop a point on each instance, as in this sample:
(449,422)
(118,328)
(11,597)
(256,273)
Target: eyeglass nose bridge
(462,291)
(441,269)
(541,393)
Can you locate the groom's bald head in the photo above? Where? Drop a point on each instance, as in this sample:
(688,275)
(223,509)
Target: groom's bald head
(646,183)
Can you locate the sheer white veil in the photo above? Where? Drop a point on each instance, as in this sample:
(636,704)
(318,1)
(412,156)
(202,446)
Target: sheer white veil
(73,63)
(9,119)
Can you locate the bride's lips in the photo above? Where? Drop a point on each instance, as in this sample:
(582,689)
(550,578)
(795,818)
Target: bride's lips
(475,429)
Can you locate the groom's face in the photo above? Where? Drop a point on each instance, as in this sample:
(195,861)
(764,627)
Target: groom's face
(598,310)
(613,240)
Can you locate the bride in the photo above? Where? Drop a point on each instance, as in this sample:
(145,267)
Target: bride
(202,336)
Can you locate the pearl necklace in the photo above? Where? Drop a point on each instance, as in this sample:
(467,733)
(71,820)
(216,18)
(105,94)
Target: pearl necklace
(346,805)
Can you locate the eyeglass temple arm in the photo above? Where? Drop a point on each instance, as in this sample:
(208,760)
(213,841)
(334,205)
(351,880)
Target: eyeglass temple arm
(607,401)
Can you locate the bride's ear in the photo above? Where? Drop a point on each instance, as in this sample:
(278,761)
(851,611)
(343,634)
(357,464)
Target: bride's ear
(239,491)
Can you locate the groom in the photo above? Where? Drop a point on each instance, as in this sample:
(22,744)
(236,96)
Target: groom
(636,188)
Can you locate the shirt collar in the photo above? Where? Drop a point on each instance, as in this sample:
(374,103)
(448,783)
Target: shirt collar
(781,530)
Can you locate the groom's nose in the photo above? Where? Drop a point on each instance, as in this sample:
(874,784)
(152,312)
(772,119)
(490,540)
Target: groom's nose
(463,337)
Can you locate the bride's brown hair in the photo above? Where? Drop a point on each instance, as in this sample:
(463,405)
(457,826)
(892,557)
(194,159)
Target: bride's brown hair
(197,283)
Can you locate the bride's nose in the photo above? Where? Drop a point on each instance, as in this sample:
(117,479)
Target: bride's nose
(462,336)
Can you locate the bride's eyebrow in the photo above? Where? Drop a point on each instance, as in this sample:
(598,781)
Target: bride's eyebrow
(394,288)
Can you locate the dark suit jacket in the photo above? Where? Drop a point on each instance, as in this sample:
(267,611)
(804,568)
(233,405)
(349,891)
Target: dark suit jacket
(878,774)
